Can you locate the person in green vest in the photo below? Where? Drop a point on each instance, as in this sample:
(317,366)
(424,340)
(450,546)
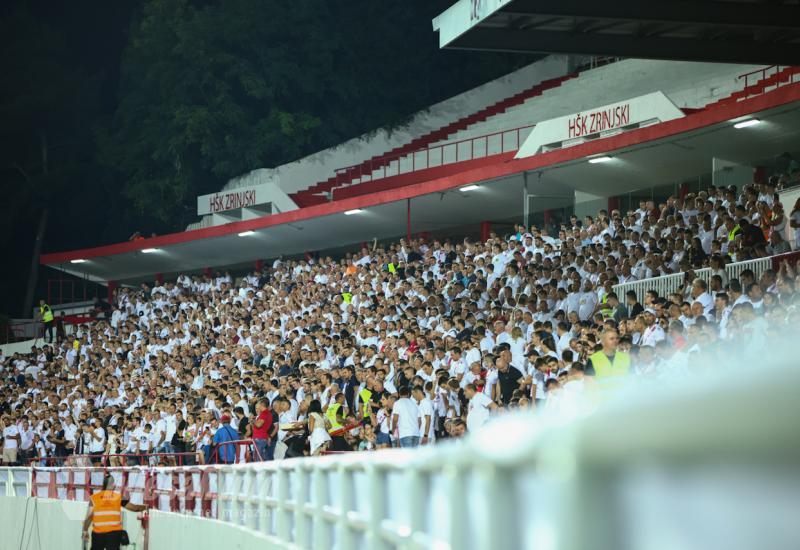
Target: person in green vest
(608,366)
(335,414)
(46,315)
(365,404)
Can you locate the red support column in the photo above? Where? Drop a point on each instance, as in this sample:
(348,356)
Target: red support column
(759,174)
(112,288)
(159,278)
(259,265)
(207,272)
(486,228)
(613,204)
(408,218)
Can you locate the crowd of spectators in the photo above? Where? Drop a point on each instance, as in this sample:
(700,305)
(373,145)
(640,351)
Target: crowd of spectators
(402,344)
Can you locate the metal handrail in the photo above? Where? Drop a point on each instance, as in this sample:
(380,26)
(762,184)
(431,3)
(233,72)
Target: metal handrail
(383,162)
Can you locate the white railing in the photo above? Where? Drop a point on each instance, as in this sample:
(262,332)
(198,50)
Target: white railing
(633,472)
(15,482)
(668,284)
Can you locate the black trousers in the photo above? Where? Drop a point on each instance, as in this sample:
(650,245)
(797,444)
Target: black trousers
(48,330)
(106,541)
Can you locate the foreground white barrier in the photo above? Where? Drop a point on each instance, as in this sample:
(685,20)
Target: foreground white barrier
(713,465)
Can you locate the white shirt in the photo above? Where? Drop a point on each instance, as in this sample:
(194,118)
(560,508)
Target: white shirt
(9,432)
(478,411)
(652,335)
(426,409)
(407,417)
(98,445)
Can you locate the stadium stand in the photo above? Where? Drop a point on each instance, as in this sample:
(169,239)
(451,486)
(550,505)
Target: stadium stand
(321,351)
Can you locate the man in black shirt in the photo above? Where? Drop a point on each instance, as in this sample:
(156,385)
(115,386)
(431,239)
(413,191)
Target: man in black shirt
(508,378)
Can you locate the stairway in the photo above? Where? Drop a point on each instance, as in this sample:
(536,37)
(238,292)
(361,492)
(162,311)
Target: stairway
(311,195)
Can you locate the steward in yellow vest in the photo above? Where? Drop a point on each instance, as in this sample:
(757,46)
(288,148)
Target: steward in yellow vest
(46,315)
(335,414)
(608,365)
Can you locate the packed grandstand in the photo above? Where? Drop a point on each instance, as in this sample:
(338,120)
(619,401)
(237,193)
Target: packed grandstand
(406,343)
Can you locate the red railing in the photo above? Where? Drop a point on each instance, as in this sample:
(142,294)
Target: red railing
(85,461)
(68,291)
(179,489)
(23,330)
(244,449)
(754,79)
(499,142)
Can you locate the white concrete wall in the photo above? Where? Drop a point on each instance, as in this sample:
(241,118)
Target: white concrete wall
(29,522)
(169,531)
(686,84)
(320,166)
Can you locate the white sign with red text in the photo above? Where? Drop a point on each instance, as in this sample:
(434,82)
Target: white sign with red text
(598,123)
(232,199)
(462,16)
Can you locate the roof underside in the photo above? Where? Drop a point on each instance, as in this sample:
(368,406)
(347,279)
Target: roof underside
(667,153)
(739,31)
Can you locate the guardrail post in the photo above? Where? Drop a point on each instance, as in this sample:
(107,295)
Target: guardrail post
(344,535)
(376,507)
(302,535)
(283,513)
(458,510)
(415,502)
(321,539)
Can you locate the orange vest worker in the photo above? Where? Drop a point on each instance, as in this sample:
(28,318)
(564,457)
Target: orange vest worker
(107,515)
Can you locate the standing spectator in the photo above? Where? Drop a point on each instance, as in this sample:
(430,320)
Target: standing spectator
(479,407)
(11,440)
(262,426)
(319,439)
(46,316)
(405,419)
(794,223)
(226,452)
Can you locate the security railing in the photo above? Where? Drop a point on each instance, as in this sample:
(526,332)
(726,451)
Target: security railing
(669,284)
(495,143)
(628,474)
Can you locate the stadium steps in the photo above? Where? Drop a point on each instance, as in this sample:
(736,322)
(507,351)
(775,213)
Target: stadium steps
(308,196)
(526,109)
(783,77)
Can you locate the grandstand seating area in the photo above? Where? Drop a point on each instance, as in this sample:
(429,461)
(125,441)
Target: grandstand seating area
(403,344)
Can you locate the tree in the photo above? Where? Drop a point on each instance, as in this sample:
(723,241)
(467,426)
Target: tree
(212,90)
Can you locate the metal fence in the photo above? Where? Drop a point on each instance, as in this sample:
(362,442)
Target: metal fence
(668,284)
(657,469)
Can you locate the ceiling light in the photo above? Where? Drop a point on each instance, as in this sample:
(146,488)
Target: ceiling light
(247,233)
(597,160)
(747,123)
(78,261)
(353,211)
(471,187)
(149,250)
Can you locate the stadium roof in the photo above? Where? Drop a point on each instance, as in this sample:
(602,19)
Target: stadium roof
(740,31)
(662,153)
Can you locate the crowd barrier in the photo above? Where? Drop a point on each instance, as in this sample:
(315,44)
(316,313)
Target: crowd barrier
(668,284)
(713,466)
